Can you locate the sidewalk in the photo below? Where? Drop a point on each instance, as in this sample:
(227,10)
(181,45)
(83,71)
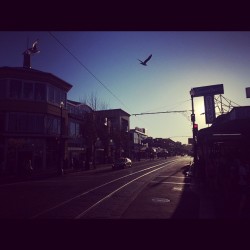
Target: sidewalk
(207,203)
(49,173)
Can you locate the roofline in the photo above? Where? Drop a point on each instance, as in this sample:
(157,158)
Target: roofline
(22,70)
(110,110)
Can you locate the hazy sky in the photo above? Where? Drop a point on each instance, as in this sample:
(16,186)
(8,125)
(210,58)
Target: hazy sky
(180,61)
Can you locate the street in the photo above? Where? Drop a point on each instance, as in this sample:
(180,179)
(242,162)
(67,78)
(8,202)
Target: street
(149,189)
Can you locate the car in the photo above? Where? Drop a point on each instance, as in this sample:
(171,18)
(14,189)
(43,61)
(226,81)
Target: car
(122,163)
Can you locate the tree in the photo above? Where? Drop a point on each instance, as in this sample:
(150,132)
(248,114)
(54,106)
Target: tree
(89,133)
(94,102)
(92,128)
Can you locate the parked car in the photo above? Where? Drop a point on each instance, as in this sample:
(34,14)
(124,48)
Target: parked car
(122,163)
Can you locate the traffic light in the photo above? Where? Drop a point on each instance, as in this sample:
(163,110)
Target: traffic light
(192,117)
(195,129)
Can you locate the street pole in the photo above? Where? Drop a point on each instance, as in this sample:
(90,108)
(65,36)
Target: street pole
(60,167)
(194,137)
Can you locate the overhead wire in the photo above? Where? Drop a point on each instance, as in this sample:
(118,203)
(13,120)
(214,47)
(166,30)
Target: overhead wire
(93,75)
(78,60)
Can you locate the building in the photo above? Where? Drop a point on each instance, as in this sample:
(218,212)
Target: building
(76,144)
(137,145)
(114,133)
(33,119)
(40,128)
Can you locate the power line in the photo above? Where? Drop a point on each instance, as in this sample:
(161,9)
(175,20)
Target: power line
(153,113)
(87,69)
(173,105)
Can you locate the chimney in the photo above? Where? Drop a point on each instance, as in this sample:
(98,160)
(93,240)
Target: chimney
(26,60)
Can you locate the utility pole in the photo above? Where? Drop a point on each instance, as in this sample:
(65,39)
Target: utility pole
(194,129)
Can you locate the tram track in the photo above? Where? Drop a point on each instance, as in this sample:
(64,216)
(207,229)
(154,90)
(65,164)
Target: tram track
(80,205)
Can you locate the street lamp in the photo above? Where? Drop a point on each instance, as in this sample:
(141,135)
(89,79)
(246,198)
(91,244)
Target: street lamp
(60,167)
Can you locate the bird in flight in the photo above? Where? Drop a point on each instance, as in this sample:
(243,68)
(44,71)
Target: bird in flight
(145,62)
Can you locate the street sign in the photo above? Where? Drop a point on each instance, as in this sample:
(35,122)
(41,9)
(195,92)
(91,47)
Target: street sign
(207,90)
(209,108)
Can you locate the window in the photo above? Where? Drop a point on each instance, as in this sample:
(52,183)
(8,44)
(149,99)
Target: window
(37,123)
(3,88)
(26,123)
(15,88)
(2,122)
(51,97)
(28,90)
(74,129)
(52,125)
(40,92)
(57,96)
(77,129)
(13,122)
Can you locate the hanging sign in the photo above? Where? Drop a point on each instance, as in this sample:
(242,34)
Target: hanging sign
(207,90)
(209,108)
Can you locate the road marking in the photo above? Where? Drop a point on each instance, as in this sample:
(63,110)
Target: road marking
(162,200)
(167,176)
(115,191)
(177,188)
(170,182)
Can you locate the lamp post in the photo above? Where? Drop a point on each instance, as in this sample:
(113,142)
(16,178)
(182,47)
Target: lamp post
(60,167)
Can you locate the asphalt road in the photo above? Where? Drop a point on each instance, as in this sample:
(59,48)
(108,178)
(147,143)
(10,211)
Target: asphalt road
(149,189)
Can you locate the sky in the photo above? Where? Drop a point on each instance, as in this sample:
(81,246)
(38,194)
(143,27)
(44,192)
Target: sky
(105,63)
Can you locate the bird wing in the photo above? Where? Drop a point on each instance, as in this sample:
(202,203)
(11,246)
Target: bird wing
(148,59)
(140,60)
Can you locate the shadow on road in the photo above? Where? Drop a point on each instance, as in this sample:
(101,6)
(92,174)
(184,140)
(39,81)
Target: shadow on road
(189,204)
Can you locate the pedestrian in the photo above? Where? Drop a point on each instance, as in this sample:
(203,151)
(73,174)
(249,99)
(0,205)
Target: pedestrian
(28,167)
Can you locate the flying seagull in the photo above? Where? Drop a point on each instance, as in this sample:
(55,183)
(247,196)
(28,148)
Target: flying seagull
(145,62)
